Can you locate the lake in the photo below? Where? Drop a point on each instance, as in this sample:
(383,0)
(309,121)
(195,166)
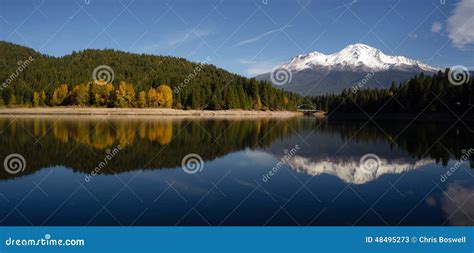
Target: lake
(268,171)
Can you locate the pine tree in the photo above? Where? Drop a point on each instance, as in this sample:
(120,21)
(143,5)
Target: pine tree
(205,90)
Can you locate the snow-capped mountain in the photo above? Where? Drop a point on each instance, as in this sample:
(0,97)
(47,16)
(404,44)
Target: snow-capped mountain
(317,73)
(356,57)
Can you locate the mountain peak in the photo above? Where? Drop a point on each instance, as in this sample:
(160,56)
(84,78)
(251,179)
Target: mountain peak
(359,49)
(358,46)
(358,64)
(357,57)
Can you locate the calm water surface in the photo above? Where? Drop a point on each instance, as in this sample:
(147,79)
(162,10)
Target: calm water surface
(299,171)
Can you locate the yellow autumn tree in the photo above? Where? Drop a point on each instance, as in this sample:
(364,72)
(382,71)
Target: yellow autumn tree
(36,99)
(101,93)
(12,100)
(165,96)
(258,104)
(152,98)
(125,95)
(60,94)
(42,98)
(141,99)
(80,95)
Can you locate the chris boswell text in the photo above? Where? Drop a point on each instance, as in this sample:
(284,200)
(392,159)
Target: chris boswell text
(416,239)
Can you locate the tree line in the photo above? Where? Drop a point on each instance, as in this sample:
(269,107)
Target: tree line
(140,80)
(99,95)
(422,93)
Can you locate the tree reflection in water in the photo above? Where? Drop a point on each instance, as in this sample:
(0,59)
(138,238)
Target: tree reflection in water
(161,143)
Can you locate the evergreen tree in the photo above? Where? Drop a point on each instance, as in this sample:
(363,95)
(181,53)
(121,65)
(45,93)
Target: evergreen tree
(210,88)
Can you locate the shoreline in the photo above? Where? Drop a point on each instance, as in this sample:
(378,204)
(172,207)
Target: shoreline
(132,112)
(426,117)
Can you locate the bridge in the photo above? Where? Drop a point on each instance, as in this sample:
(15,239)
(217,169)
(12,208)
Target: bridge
(307,109)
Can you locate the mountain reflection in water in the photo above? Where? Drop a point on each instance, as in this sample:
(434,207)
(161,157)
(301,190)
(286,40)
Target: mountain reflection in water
(315,186)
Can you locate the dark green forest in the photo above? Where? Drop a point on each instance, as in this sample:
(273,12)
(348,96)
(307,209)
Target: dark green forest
(32,79)
(422,93)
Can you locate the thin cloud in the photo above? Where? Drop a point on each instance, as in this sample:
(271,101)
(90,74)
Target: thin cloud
(261,36)
(345,5)
(262,67)
(173,40)
(188,36)
(436,27)
(461,24)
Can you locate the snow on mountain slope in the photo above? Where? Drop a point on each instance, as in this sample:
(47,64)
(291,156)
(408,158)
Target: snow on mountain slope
(357,57)
(350,172)
(317,73)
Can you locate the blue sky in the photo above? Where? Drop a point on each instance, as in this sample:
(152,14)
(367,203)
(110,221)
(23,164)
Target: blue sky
(244,36)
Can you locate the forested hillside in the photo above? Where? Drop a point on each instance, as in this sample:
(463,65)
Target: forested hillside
(421,93)
(32,79)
